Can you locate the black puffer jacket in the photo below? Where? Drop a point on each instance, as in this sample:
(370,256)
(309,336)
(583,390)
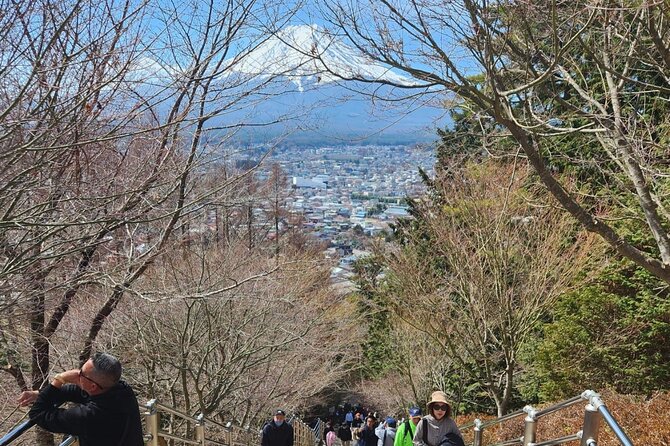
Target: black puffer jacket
(344,433)
(274,435)
(108,419)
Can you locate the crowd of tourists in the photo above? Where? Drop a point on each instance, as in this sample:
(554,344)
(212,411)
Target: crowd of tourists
(106,413)
(357,426)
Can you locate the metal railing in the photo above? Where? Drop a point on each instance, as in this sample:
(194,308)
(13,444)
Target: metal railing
(23,428)
(16,432)
(166,423)
(594,411)
(318,431)
(303,435)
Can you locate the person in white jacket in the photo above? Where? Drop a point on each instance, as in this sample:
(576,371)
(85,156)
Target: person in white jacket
(386,432)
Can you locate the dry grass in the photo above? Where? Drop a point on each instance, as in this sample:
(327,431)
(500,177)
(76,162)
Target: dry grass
(646,421)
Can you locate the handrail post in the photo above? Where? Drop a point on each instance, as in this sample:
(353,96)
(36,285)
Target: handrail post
(478,431)
(152,418)
(229,433)
(530,426)
(591,419)
(200,429)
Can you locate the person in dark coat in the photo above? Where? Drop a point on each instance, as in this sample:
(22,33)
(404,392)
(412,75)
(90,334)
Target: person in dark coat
(344,434)
(366,435)
(106,413)
(277,432)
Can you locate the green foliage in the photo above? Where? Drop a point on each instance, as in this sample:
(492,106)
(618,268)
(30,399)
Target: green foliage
(378,352)
(464,138)
(613,331)
(484,266)
(613,334)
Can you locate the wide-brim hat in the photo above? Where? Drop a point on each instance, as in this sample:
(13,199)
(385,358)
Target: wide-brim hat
(439,397)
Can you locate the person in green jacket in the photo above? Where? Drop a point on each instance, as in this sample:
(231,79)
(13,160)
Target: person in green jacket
(405,432)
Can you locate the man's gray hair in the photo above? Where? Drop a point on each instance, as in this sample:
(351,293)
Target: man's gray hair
(108,366)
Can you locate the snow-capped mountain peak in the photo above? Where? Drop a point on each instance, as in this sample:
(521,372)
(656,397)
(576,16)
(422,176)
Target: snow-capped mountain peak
(308,53)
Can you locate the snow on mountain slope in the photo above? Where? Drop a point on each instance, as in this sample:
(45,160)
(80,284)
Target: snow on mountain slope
(295,93)
(317,62)
(309,54)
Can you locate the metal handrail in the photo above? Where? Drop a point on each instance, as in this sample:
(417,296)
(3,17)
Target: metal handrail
(504,418)
(234,435)
(559,406)
(557,441)
(154,410)
(612,423)
(168,409)
(318,430)
(511,442)
(69,441)
(588,436)
(306,436)
(16,432)
(22,429)
(597,403)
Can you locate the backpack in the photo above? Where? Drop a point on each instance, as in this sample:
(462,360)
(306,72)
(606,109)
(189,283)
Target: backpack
(451,439)
(344,433)
(330,438)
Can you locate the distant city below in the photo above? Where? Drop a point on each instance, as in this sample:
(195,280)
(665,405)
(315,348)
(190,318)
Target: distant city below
(344,194)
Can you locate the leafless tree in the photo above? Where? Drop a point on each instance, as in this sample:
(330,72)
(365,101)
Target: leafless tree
(476,280)
(110,112)
(277,191)
(235,350)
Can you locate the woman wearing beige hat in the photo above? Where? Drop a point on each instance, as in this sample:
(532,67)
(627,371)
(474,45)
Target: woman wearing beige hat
(438,428)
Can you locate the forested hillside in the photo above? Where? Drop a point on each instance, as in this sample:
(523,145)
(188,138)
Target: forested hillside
(537,265)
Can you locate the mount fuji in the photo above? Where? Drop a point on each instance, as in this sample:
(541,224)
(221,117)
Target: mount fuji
(312,64)
(310,53)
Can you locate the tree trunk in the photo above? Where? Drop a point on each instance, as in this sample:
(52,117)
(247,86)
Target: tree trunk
(40,346)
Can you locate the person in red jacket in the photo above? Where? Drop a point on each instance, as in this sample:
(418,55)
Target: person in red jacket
(107,413)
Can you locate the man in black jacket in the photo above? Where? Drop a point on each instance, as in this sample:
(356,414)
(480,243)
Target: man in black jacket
(366,435)
(107,413)
(277,432)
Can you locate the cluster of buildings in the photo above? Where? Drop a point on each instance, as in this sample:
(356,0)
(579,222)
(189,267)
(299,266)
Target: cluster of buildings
(343,194)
